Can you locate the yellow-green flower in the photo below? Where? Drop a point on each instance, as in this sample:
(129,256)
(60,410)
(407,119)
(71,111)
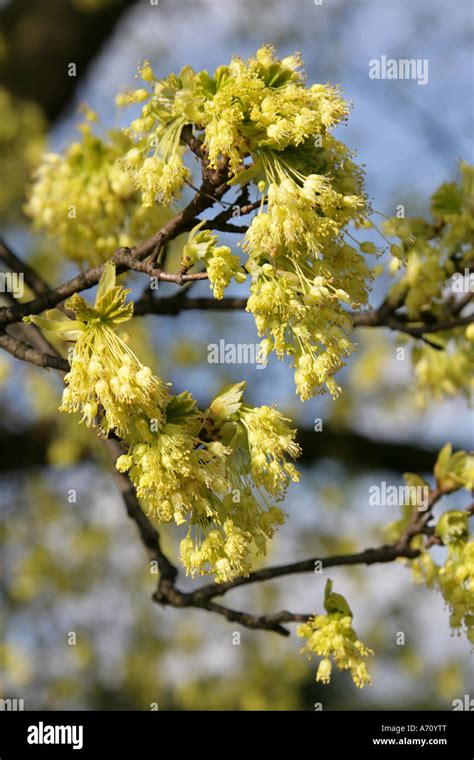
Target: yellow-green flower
(86,201)
(332,637)
(221,264)
(106,383)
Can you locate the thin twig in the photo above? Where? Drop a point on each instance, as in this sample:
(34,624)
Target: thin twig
(382,555)
(21,350)
(32,278)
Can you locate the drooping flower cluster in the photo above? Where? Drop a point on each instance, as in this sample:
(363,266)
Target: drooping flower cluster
(297,307)
(455,577)
(270,440)
(331,636)
(274,131)
(203,469)
(434,259)
(106,382)
(208,469)
(431,252)
(221,264)
(312,190)
(262,120)
(84,199)
(447,372)
(239,518)
(155,161)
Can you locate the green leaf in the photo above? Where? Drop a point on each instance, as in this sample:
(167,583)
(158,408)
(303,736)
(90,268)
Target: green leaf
(81,308)
(181,410)
(454,471)
(442,462)
(57,315)
(412,479)
(228,401)
(106,282)
(452,525)
(335,603)
(69,329)
(111,307)
(247,175)
(447,200)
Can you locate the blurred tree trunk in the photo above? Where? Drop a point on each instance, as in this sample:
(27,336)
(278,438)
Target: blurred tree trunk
(25,446)
(42,37)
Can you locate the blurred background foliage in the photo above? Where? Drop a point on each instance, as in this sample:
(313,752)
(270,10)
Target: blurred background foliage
(71,566)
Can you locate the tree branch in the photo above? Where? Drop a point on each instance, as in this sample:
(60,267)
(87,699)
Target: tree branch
(21,350)
(172,306)
(382,554)
(202,597)
(32,278)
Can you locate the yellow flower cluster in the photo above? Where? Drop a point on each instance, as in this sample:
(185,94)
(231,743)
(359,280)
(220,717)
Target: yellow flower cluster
(297,307)
(263,111)
(444,373)
(455,577)
(434,259)
(270,440)
(264,105)
(221,264)
(430,252)
(106,381)
(331,636)
(208,469)
(155,161)
(235,518)
(85,199)
(275,132)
